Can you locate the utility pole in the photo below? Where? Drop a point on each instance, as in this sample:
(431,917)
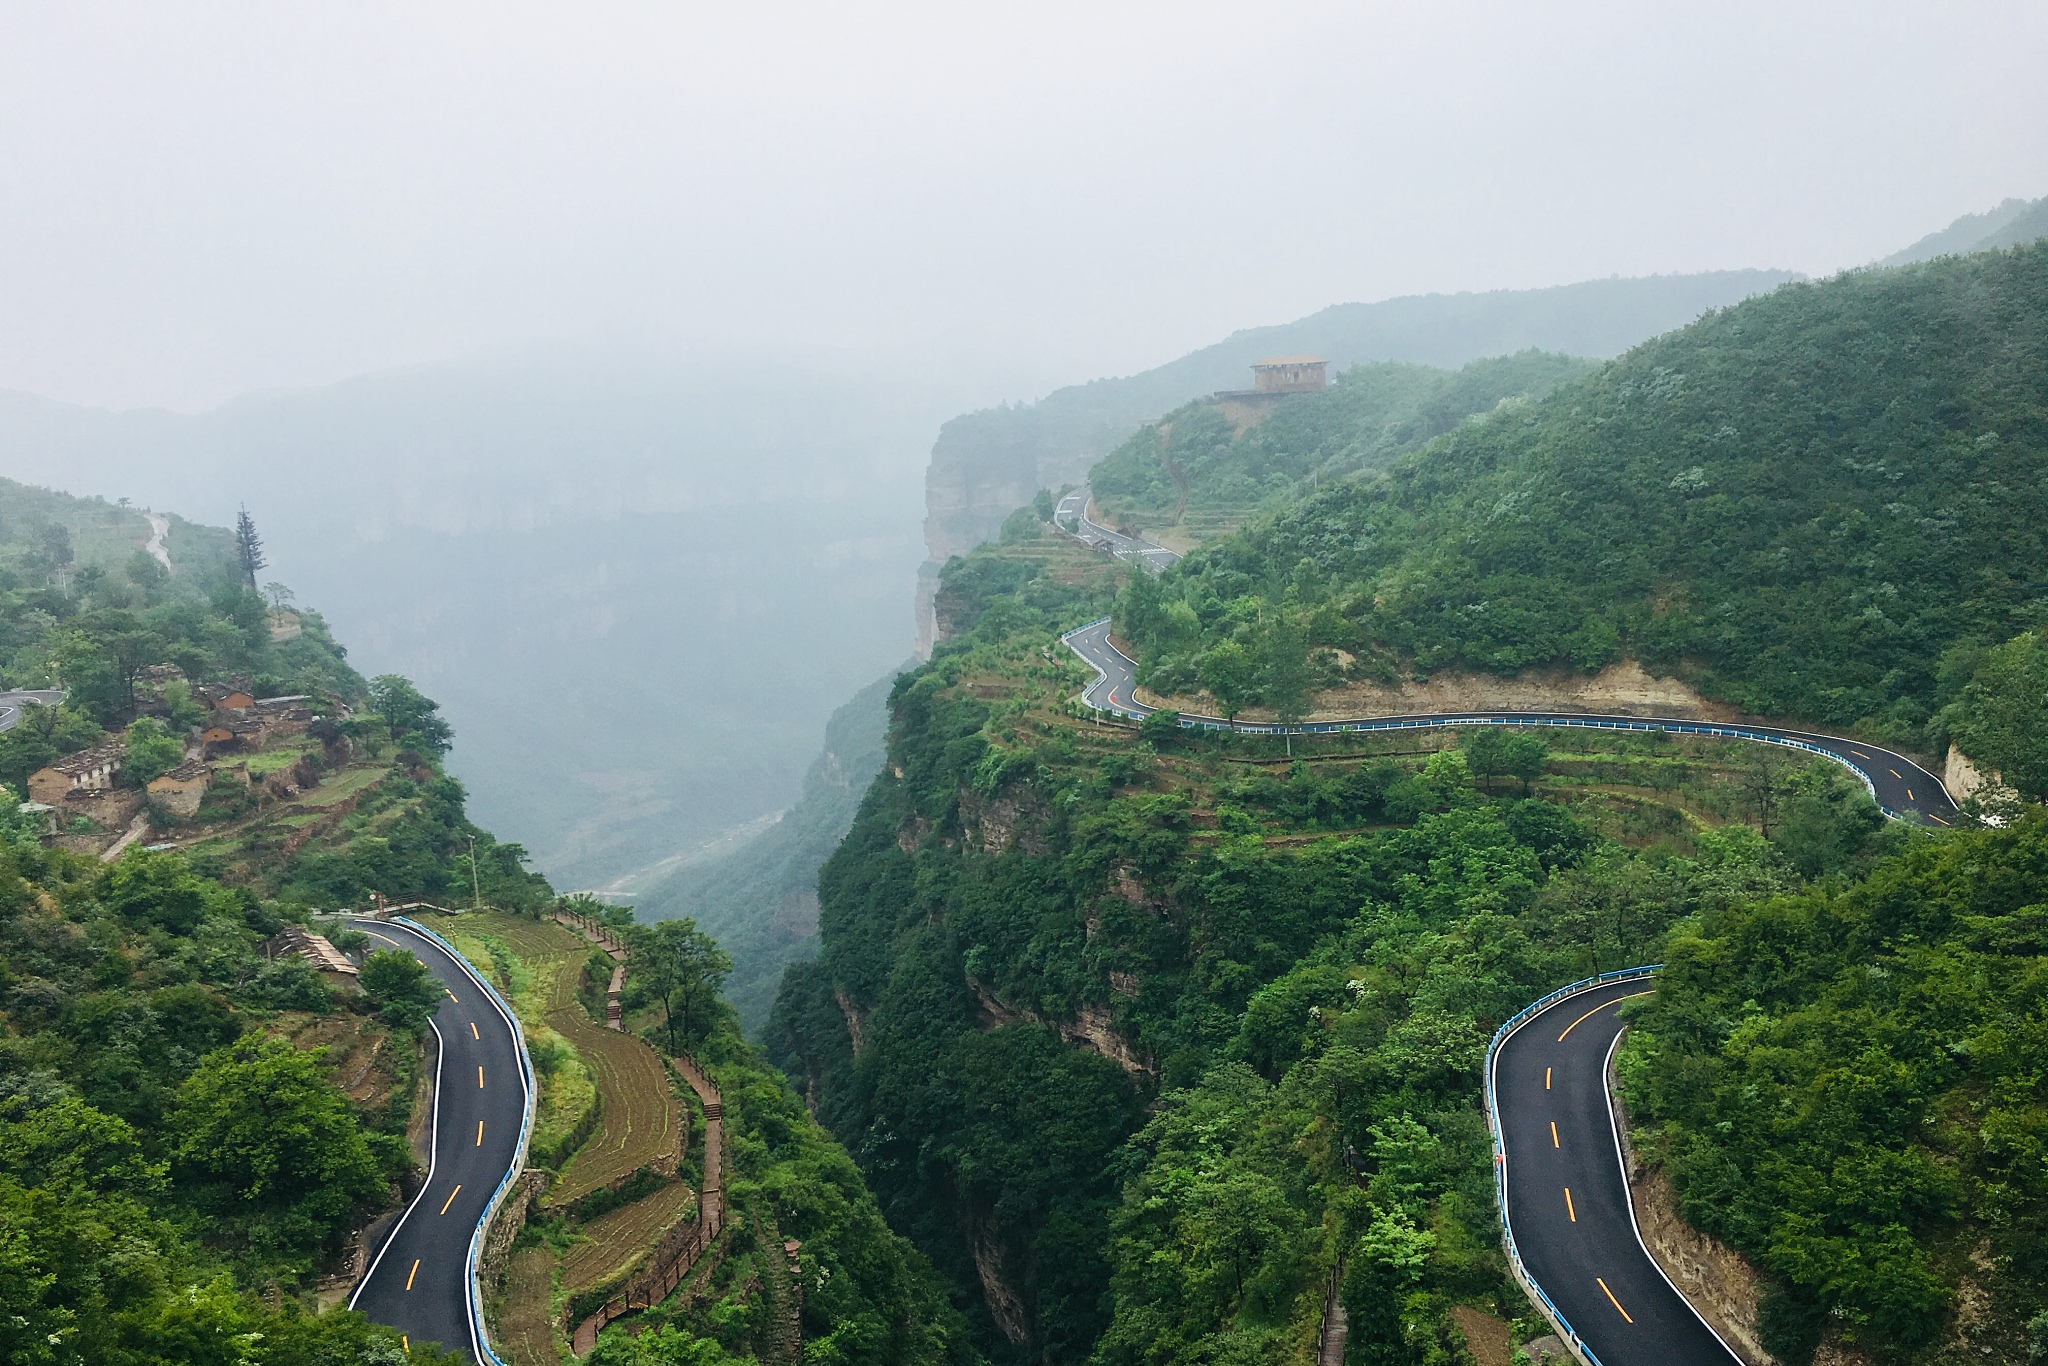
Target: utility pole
(476,893)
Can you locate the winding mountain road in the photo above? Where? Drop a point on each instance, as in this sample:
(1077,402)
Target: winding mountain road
(1071,516)
(421,1280)
(1563,1189)
(1566,1199)
(1900,787)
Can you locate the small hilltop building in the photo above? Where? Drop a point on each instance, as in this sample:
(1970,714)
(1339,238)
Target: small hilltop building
(182,789)
(1290,375)
(1273,379)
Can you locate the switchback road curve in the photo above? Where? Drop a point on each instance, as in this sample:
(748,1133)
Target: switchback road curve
(1564,1192)
(420,1279)
(1900,787)
(1071,516)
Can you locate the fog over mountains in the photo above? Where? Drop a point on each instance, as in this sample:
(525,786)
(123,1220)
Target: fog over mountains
(637,591)
(640,585)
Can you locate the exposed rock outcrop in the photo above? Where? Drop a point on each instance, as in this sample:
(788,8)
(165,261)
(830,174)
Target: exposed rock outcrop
(1964,780)
(1093,1027)
(1624,687)
(1005,1305)
(1717,1280)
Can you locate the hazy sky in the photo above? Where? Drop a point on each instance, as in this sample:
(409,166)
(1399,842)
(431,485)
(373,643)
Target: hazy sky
(197,200)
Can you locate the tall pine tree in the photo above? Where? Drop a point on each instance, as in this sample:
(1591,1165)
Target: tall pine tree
(248,547)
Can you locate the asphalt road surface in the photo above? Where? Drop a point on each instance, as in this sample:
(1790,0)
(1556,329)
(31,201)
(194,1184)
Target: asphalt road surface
(418,1281)
(1567,1196)
(11,704)
(1071,516)
(1900,786)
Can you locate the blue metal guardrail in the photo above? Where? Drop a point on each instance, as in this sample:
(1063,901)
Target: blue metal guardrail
(1545,720)
(479,1335)
(1500,1152)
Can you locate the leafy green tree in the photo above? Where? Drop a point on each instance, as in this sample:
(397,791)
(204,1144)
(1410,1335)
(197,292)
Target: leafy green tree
(129,645)
(1286,684)
(154,889)
(1526,757)
(184,713)
(406,993)
(414,720)
(2001,718)
(1485,753)
(152,751)
(261,1139)
(1160,729)
(150,578)
(1227,671)
(683,968)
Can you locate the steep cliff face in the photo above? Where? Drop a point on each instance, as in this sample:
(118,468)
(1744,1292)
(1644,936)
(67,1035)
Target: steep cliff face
(986,464)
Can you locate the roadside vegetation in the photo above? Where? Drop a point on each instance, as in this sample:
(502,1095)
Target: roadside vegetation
(1820,503)
(1143,1035)
(167,1154)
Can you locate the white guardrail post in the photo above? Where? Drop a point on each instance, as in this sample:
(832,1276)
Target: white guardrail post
(1500,1153)
(480,1335)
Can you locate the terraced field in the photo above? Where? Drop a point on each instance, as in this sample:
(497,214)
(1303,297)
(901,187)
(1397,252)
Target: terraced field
(527,1334)
(618,1240)
(641,1123)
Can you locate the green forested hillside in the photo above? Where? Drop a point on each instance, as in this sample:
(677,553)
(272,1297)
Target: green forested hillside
(1191,472)
(165,1149)
(2013,223)
(190,1132)
(1142,1034)
(44,534)
(1139,1035)
(1801,503)
(1851,1084)
(1028,446)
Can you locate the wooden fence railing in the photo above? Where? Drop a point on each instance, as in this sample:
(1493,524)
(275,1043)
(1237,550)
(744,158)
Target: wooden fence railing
(676,1254)
(601,935)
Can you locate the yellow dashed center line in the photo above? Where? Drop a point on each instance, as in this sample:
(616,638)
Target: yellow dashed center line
(472,1030)
(1553,1135)
(1613,1301)
(479,1133)
(1546,1079)
(1896,774)
(451,1197)
(412,1273)
(479,1076)
(1597,1009)
(1909,794)
(1570,1208)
